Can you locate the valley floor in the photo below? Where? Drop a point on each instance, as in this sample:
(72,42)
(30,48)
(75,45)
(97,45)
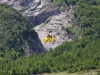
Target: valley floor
(79,73)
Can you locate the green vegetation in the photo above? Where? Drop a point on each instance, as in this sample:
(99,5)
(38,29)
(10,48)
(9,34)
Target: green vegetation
(63,8)
(57,2)
(74,29)
(60,2)
(15,31)
(42,26)
(74,56)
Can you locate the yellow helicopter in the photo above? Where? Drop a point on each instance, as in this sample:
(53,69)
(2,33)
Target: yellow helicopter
(48,38)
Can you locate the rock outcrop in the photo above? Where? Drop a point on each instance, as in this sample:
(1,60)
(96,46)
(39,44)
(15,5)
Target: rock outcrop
(44,16)
(57,24)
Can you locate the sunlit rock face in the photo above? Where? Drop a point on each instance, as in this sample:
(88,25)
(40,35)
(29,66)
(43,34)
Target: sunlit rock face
(47,17)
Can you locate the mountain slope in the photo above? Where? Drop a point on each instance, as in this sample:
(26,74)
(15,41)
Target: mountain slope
(16,33)
(77,55)
(47,16)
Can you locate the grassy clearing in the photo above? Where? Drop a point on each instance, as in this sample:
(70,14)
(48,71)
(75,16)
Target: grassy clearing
(42,26)
(79,73)
(73,29)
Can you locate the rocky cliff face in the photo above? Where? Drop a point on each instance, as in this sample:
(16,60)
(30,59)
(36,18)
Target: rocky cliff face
(44,16)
